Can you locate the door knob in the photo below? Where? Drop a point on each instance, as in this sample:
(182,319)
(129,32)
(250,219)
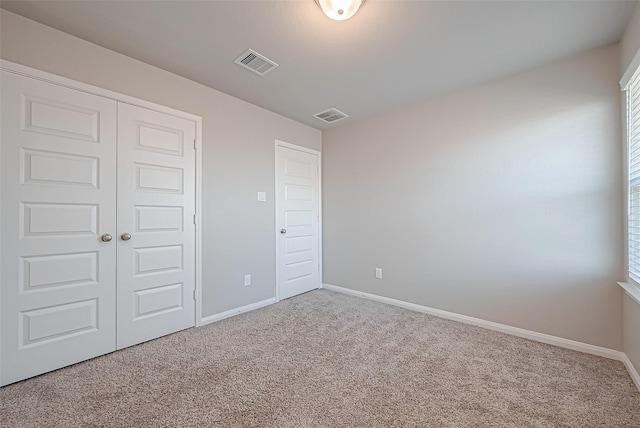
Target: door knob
(125,236)
(283,231)
(106,237)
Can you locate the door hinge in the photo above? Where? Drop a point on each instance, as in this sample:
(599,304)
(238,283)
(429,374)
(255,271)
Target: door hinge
(194,144)
(194,219)
(194,294)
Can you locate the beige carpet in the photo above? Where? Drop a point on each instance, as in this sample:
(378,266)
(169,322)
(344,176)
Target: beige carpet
(328,360)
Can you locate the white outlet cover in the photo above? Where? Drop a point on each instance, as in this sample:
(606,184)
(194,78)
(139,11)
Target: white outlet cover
(262,196)
(378,273)
(247,280)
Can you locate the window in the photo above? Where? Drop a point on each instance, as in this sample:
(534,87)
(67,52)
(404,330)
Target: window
(633,155)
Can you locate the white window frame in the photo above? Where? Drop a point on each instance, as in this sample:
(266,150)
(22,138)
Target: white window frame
(630,84)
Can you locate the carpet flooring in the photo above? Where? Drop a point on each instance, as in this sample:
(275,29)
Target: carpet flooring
(325,359)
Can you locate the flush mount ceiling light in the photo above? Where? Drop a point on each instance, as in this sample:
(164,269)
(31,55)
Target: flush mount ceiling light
(340,10)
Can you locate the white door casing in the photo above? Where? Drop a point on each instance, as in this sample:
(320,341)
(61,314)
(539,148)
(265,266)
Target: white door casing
(156,207)
(58,195)
(297,220)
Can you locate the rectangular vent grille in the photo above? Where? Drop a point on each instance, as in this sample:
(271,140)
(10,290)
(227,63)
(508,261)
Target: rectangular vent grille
(331,115)
(253,61)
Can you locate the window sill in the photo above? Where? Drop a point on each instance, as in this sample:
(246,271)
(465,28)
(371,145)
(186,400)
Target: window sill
(632,289)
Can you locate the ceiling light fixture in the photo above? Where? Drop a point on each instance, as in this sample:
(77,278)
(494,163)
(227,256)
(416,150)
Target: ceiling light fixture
(340,10)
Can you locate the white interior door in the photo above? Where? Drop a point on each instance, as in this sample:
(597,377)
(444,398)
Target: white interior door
(57,283)
(156,231)
(298,215)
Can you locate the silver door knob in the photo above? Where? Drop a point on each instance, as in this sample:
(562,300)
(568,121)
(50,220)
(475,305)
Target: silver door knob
(125,236)
(106,237)
(283,231)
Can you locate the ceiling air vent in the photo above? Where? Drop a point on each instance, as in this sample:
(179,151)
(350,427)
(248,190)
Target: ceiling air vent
(252,60)
(331,115)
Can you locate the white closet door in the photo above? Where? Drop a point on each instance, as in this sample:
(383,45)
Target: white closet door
(156,205)
(57,287)
(298,209)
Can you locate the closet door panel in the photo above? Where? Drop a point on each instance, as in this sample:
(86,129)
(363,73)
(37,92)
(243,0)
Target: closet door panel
(57,187)
(156,204)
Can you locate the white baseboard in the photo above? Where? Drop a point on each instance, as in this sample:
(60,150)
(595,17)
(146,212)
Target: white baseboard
(490,325)
(237,311)
(632,370)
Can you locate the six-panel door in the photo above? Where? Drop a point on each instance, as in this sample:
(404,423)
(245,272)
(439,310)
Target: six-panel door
(58,297)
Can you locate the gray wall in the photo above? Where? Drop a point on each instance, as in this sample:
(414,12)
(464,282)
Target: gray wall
(629,45)
(238,152)
(500,202)
(631,321)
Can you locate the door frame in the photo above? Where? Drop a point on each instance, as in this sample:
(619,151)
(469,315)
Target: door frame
(44,76)
(278,145)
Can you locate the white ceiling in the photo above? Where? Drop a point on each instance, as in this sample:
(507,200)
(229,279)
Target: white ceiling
(390,54)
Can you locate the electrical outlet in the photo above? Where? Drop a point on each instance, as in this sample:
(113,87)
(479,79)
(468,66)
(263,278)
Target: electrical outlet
(247,280)
(378,273)
(262,196)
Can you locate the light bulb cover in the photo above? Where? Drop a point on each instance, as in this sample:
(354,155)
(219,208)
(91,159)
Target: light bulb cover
(339,10)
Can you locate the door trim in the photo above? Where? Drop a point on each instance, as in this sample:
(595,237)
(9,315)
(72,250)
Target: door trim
(116,96)
(279,144)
